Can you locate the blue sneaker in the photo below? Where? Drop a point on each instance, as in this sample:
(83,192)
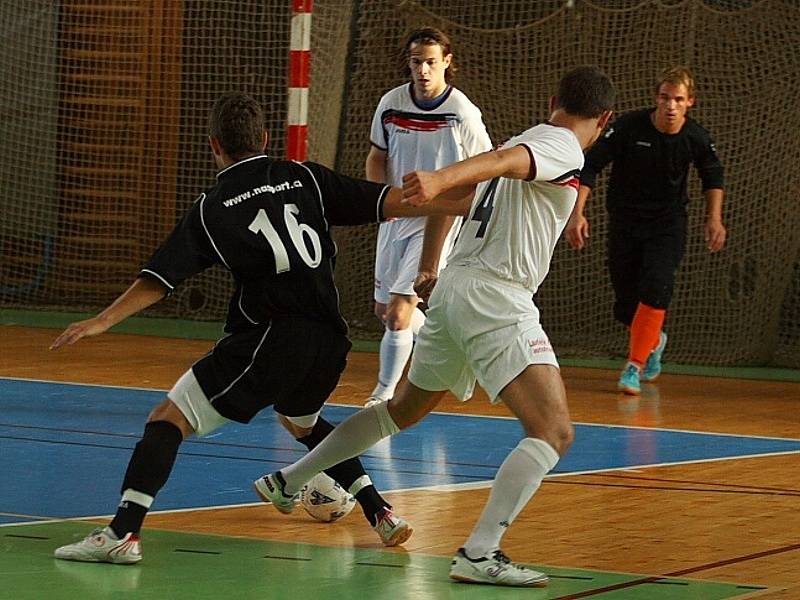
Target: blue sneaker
(629,380)
(652,368)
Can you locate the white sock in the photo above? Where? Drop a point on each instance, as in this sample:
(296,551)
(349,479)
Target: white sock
(417,321)
(516,481)
(395,351)
(350,438)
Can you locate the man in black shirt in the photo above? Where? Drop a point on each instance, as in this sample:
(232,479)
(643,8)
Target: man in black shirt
(267,222)
(647,212)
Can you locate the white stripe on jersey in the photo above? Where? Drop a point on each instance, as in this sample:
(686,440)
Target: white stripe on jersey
(514,225)
(159,277)
(208,233)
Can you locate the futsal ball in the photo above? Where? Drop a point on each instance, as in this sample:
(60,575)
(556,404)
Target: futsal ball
(325,500)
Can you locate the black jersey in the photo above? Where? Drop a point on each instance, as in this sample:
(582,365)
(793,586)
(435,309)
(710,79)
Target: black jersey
(268,222)
(650,172)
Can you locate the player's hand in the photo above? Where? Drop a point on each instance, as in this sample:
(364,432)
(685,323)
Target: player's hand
(420,187)
(424,284)
(577,231)
(715,235)
(78,330)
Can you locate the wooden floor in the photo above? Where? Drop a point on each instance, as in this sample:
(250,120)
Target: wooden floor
(734,520)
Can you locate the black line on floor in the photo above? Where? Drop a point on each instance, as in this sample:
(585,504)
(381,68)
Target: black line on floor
(670,488)
(732,561)
(368,564)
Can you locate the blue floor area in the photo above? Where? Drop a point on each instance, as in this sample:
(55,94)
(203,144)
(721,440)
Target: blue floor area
(65,447)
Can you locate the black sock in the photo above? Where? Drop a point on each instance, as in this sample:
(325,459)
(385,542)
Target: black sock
(148,471)
(346,473)
(129,518)
(371,503)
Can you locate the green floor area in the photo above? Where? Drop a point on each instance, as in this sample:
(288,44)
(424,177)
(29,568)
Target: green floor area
(205,330)
(179,565)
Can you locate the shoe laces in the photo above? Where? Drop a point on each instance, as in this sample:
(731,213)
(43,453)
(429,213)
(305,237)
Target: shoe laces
(384,515)
(500,556)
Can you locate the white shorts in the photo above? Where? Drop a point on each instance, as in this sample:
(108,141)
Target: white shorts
(477,327)
(396,264)
(397,260)
(189,397)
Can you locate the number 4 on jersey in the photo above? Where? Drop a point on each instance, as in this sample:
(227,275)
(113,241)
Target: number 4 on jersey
(484,208)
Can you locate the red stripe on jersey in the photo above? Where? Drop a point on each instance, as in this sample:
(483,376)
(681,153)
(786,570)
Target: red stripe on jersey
(572,182)
(417,124)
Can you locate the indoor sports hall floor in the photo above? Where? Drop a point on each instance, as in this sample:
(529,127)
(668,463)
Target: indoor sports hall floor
(688,492)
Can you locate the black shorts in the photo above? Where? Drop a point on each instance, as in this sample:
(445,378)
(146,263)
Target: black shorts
(292,364)
(643,258)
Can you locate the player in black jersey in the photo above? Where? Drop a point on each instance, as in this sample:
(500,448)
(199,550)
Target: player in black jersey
(268,222)
(647,200)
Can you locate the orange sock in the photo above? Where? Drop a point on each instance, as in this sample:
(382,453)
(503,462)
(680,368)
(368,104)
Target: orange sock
(645,330)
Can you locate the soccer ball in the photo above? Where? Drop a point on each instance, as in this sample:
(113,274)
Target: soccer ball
(325,500)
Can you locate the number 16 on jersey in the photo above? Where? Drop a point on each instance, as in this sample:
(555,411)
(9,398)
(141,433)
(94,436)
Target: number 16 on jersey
(297,232)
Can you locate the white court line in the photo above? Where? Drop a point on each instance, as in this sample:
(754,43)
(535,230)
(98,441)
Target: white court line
(443,487)
(448,414)
(451,487)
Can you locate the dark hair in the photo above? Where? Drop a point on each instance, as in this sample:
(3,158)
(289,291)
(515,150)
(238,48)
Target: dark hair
(428,36)
(585,92)
(237,121)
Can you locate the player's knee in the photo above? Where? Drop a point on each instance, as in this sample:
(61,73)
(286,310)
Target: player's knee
(396,324)
(298,430)
(169,412)
(397,320)
(657,295)
(564,435)
(398,315)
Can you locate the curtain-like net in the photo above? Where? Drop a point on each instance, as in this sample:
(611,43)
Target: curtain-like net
(741,306)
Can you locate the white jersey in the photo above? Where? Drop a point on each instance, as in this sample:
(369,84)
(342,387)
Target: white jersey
(417,138)
(514,225)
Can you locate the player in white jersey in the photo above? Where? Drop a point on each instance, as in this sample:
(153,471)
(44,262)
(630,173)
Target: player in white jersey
(482,322)
(425,124)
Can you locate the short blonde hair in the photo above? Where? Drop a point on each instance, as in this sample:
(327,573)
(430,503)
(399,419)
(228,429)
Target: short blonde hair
(675,76)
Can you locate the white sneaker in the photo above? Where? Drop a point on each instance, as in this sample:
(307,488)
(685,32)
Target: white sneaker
(496,569)
(103,546)
(392,530)
(373,400)
(269,489)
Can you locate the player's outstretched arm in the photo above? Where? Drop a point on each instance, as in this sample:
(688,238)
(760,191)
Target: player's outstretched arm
(142,293)
(447,204)
(421,187)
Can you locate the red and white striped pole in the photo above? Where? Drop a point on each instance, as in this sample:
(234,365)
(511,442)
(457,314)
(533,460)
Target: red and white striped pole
(299,80)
